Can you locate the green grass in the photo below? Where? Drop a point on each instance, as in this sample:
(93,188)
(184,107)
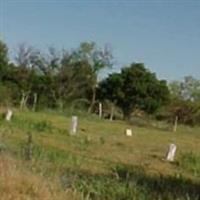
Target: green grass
(100,162)
(191,162)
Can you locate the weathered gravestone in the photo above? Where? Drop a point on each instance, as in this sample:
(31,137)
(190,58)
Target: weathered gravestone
(128,132)
(100,110)
(175,124)
(8,115)
(74,125)
(171,152)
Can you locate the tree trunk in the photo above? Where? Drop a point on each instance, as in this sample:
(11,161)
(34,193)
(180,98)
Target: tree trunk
(22,101)
(26,99)
(34,101)
(25,96)
(126,116)
(93,99)
(112,112)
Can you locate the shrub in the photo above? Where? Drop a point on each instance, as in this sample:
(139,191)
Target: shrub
(5,97)
(188,112)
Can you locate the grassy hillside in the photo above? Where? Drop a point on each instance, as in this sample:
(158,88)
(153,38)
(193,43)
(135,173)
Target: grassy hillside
(99,163)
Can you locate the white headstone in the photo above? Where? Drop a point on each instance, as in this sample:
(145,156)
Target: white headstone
(74,125)
(171,152)
(128,132)
(9,115)
(100,110)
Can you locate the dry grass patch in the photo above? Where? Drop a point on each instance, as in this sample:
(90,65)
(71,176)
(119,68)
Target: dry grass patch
(16,183)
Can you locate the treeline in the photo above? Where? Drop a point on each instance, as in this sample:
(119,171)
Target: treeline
(62,79)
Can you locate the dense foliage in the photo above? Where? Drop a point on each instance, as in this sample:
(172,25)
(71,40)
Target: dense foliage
(135,88)
(61,79)
(54,79)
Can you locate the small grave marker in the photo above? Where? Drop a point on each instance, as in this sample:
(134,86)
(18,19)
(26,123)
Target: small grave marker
(100,110)
(171,152)
(128,132)
(9,115)
(74,125)
(175,124)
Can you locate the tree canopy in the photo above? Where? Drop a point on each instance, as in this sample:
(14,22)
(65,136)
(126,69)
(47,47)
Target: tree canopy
(135,87)
(186,89)
(60,78)
(3,58)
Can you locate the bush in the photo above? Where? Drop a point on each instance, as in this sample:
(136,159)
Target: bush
(5,97)
(187,112)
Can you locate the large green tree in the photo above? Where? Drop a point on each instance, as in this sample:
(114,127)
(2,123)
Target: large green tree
(135,88)
(97,59)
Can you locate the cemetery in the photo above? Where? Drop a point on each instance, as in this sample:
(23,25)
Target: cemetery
(99,100)
(71,150)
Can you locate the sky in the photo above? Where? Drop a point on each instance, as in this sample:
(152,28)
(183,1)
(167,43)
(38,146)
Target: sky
(162,34)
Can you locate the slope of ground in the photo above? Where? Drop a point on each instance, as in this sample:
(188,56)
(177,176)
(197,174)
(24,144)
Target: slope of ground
(101,162)
(17,183)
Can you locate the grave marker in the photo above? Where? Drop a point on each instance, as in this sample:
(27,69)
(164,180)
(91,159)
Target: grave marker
(100,110)
(9,115)
(171,152)
(74,125)
(175,124)
(128,132)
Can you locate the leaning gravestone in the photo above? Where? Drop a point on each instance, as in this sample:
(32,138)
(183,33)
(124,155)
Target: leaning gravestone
(9,114)
(171,152)
(74,125)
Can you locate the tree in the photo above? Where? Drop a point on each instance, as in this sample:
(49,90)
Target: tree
(97,59)
(186,100)
(135,88)
(188,112)
(62,77)
(5,91)
(24,72)
(24,56)
(46,67)
(187,89)
(3,59)
(72,81)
